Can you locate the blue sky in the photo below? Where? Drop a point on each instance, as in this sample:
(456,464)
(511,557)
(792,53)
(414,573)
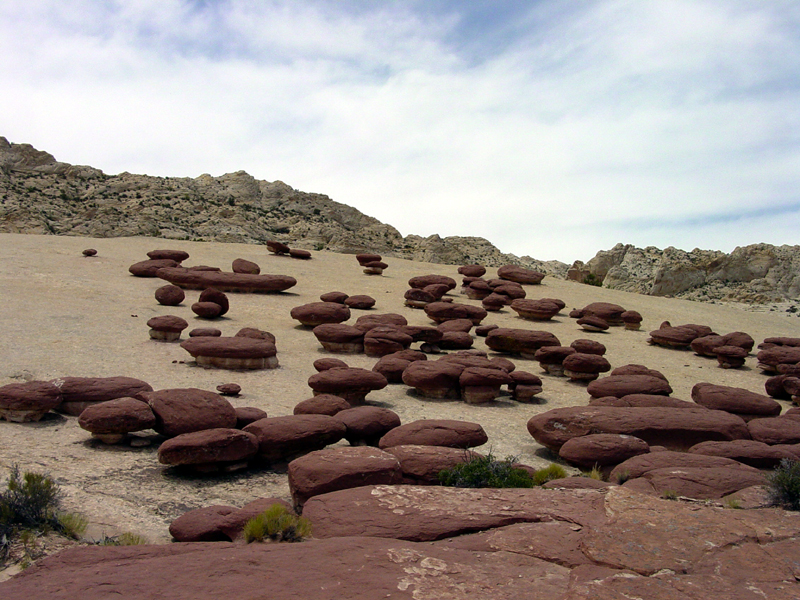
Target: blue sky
(553,128)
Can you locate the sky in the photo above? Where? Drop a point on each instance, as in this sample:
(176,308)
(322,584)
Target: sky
(553,129)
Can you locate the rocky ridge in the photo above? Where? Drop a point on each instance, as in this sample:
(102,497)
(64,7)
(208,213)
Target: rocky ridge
(758,273)
(41,195)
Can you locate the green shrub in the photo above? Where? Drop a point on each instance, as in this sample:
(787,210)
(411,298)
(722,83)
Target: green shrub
(595,473)
(592,279)
(277,524)
(669,495)
(123,539)
(623,476)
(784,484)
(553,471)
(486,471)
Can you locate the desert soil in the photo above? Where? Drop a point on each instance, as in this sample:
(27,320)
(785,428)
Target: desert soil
(66,315)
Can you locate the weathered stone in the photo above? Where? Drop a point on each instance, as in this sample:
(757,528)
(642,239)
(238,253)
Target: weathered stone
(436,432)
(111,420)
(739,401)
(281,438)
(238,352)
(169,295)
(317,313)
(625,385)
(29,401)
(184,410)
(209,448)
(352,384)
(601,449)
(226,282)
(79,392)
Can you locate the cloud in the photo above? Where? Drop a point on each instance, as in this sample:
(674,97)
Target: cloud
(553,131)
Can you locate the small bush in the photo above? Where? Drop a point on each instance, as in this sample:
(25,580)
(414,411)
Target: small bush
(123,539)
(592,279)
(277,524)
(623,476)
(72,524)
(669,495)
(486,471)
(784,484)
(595,473)
(553,471)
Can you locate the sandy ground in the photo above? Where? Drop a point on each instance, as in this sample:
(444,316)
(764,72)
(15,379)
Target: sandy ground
(66,315)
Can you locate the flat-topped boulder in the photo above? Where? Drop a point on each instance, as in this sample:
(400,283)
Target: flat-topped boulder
(184,410)
(166,328)
(112,420)
(436,432)
(677,429)
(333,469)
(536,310)
(434,379)
(340,338)
(317,313)
(226,282)
(775,430)
(77,393)
(625,385)
(423,281)
(383,340)
(643,400)
(421,465)
(771,358)
(29,401)
(150,268)
(739,401)
(352,384)
(519,274)
(522,342)
(602,449)
(750,452)
(440,312)
(237,352)
(366,425)
(609,312)
(209,450)
(282,438)
(322,404)
(168,254)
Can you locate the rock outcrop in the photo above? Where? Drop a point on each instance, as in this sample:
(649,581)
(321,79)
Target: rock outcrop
(755,273)
(41,195)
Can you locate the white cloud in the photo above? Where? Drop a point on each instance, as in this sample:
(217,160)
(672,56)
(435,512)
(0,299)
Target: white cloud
(572,130)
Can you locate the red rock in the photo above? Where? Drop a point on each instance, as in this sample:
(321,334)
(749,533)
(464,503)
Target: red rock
(209,448)
(643,400)
(391,367)
(184,410)
(472,270)
(593,323)
(205,331)
(278,247)
(299,254)
(610,313)
(422,281)
(418,298)
(520,274)
(641,465)
(601,449)
(523,342)
(524,386)
(217,297)
(578,482)
(730,357)
(434,379)
(207,310)
(367,322)
(775,430)
(201,524)
(537,310)
(351,384)
(383,340)
(770,359)
(624,385)
(750,452)
(240,265)
(248,414)
(365,258)
(445,311)
(29,401)
(150,268)
(256,334)
(115,418)
(360,302)
(480,385)
(366,425)
(585,367)
(226,282)
(317,313)
(322,404)
(455,340)
(169,295)
(166,328)
(238,352)
(340,338)
(89,252)
(436,432)
(735,400)
(335,469)
(421,465)
(323,364)
(177,255)
(669,427)
(281,438)
(79,392)
(702,483)
(229,389)
(338,297)
(232,525)
(588,347)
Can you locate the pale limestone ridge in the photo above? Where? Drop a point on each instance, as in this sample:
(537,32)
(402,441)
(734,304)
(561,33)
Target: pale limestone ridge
(41,195)
(754,273)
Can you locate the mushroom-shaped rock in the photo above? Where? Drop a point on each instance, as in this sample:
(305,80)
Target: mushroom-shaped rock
(207,310)
(550,358)
(480,385)
(624,385)
(340,338)
(165,254)
(521,342)
(477,290)
(236,352)
(610,313)
(338,297)
(602,449)
(299,254)
(494,302)
(367,322)
(437,290)
(673,337)
(78,393)
(421,465)
(632,319)
(483,330)
(89,252)
(241,265)
(29,401)
(739,401)
(184,410)
(352,384)
(366,425)
(750,452)
(335,469)
(588,347)
(317,313)
(277,247)
(508,289)
(196,279)
(150,268)
(365,258)
(392,367)
(323,364)
(730,357)
(166,328)
(634,369)
(436,432)
(229,389)
(455,340)
(112,420)
(248,414)
(434,379)
(281,438)
(440,312)
(592,323)
(775,430)
(535,310)
(772,358)
(524,386)
(169,295)
(360,302)
(520,274)
(323,404)
(380,341)
(215,296)
(705,345)
(375,267)
(218,449)
(472,270)
(640,400)
(676,429)
(585,367)
(423,281)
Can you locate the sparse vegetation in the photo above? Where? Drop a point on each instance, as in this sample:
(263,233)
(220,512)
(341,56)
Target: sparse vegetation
(732,502)
(784,484)
(549,473)
(669,495)
(622,477)
(595,473)
(592,279)
(123,539)
(277,524)
(487,471)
